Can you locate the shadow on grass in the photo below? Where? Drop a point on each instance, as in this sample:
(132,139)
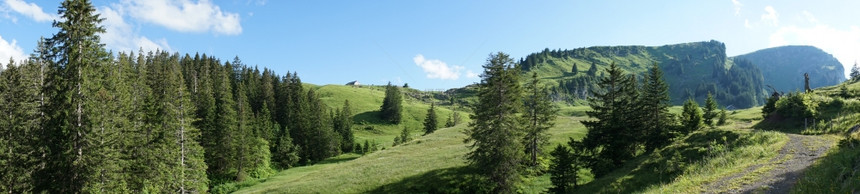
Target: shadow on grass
(338,160)
(448,180)
(664,165)
(369,117)
(785,125)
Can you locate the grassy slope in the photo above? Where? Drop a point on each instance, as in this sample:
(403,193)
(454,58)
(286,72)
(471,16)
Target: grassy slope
(365,102)
(435,159)
(695,160)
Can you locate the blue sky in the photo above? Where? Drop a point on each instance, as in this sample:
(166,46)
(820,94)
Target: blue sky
(433,44)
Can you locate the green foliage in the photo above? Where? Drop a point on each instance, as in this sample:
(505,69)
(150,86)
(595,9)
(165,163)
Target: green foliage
(691,117)
(769,107)
(613,136)
(539,114)
(654,99)
(430,123)
(710,110)
(795,105)
(723,117)
(562,171)
(855,72)
(392,105)
(343,126)
(495,132)
(403,138)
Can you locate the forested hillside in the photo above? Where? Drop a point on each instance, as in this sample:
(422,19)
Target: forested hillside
(783,67)
(79,119)
(692,70)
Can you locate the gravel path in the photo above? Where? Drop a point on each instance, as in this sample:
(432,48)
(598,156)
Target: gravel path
(800,152)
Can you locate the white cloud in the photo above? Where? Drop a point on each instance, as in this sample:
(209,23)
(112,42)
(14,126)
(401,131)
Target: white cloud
(747,24)
(809,17)
(737,4)
(30,10)
(471,74)
(119,35)
(8,50)
(185,15)
(770,16)
(844,44)
(437,69)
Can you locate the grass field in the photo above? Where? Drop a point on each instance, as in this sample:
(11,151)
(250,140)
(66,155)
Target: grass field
(435,163)
(436,159)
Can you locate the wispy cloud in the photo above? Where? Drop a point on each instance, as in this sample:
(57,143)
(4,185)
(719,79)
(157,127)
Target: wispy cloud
(119,35)
(30,10)
(185,15)
(809,17)
(844,44)
(737,4)
(10,50)
(770,16)
(437,69)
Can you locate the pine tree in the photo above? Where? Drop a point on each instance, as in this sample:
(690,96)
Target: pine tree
(710,110)
(540,114)
(495,132)
(391,104)
(574,70)
(691,117)
(613,135)
(430,123)
(655,102)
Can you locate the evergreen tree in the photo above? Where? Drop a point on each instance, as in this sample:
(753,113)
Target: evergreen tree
(710,110)
(430,123)
(343,126)
(561,170)
(19,125)
(723,117)
(574,70)
(655,102)
(540,116)
(403,138)
(855,72)
(495,132)
(391,104)
(613,135)
(592,71)
(83,150)
(691,117)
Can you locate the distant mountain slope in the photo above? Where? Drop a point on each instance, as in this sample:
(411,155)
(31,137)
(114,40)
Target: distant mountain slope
(783,67)
(691,69)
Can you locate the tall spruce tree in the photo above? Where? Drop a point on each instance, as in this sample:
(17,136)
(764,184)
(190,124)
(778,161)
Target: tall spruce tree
(562,173)
(540,116)
(611,137)
(495,131)
(85,141)
(430,123)
(710,110)
(655,102)
(391,104)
